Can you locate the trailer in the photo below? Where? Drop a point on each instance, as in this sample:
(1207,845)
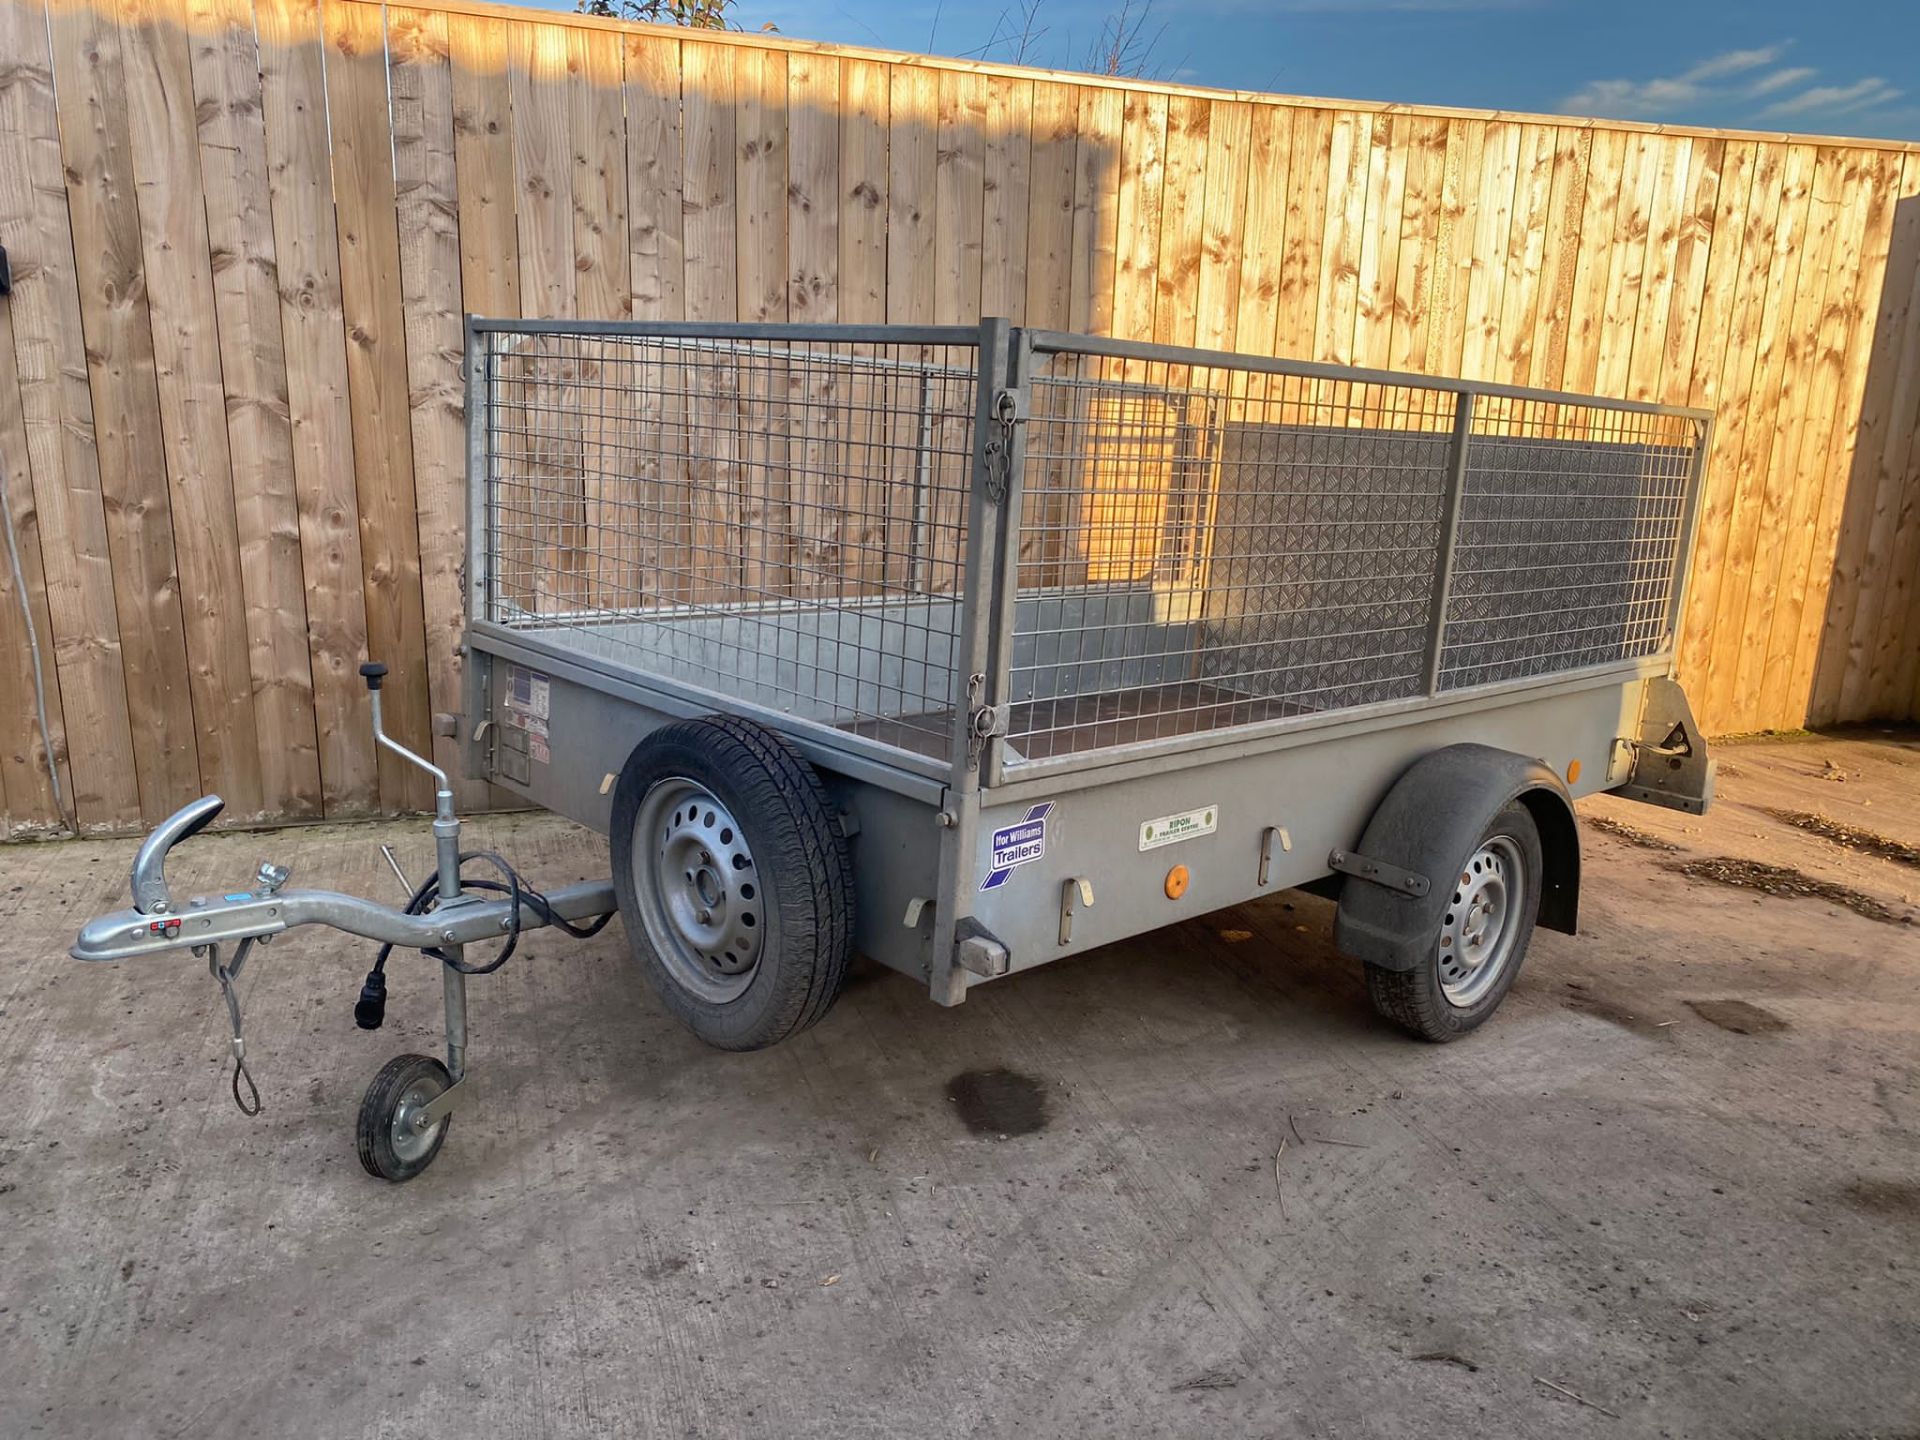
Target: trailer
(971,648)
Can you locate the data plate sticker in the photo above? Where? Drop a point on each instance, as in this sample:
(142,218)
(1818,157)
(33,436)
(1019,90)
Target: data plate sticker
(1021,843)
(1171,829)
(529,700)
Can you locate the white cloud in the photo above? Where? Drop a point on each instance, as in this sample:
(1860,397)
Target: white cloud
(1781,80)
(1664,95)
(1727,79)
(1838,99)
(1736,62)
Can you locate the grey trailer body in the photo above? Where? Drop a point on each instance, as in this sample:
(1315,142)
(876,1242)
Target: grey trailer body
(972,648)
(1055,616)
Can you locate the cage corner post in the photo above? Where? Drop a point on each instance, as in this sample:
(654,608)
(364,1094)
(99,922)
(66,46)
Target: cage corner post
(983,621)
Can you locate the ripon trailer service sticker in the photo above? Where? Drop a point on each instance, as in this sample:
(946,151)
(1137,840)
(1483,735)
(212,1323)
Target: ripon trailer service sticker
(1171,829)
(1020,843)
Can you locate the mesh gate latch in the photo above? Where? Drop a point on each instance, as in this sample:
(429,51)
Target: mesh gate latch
(984,721)
(1008,411)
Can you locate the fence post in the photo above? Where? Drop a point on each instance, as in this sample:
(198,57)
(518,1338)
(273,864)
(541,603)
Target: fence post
(1449,535)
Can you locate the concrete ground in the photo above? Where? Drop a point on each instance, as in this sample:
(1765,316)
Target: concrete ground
(1673,1189)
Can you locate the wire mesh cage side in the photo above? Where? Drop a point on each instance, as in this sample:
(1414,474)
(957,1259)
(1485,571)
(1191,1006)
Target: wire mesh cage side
(1567,555)
(777,519)
(1206,544)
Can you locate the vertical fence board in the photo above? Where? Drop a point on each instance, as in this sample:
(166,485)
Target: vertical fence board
(1143,141)
(1756,511)
(1493,224)
(1340,236)
(1666,218)
(1600,209)
(25,784)
(427,197)
(483,165)
(1673,376)
(1861,248)
(1096,194)
(1867,525)
(959,182)
(246,293)
(708,107)
(1006,181)
(1263,236)
(313,333)
(1453,247)
(655,203)
(368,228)
(762,257)
(1814,357)
(1182,220)
(602,289)
(540,83)
(1049,227)
(1888,675)
(1707,374)
(912,190)
(1730,495)
(864,183)
(825,526)
(1521,296)
(1217,293)
(706,532)
(111,272)
(193,412)
(760,184)
(82,640)
(1378,275)
(1416,269)
(813,189)
(1560,255)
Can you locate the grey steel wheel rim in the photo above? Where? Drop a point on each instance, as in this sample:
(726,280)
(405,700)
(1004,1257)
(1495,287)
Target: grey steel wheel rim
(1480,931)
(699,888)
(410,1140)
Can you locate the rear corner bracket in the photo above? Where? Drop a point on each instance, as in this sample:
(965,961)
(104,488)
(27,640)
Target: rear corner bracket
(1670,767)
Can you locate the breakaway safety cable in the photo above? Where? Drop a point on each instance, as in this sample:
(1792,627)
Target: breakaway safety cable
(226,975)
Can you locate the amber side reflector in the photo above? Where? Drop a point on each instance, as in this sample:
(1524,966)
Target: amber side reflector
(1573,772)
(1176,882)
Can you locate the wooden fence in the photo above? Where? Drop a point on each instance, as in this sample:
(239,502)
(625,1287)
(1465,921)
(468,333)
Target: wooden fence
(243,234)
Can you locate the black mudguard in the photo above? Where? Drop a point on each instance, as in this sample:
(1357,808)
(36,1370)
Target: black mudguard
(1429,823)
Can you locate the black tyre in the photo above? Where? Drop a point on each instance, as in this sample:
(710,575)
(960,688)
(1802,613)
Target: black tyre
(734,882)
(391,1142)
(1482,940)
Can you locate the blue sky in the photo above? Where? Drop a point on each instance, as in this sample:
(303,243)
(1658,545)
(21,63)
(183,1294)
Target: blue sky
(1839,67)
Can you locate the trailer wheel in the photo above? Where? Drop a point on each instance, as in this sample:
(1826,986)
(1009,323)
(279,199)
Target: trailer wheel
(388,1135)
(734,880)
(1482,940)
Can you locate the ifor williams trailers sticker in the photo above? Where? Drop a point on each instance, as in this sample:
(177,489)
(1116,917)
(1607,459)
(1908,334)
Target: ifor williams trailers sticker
(1018,844)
